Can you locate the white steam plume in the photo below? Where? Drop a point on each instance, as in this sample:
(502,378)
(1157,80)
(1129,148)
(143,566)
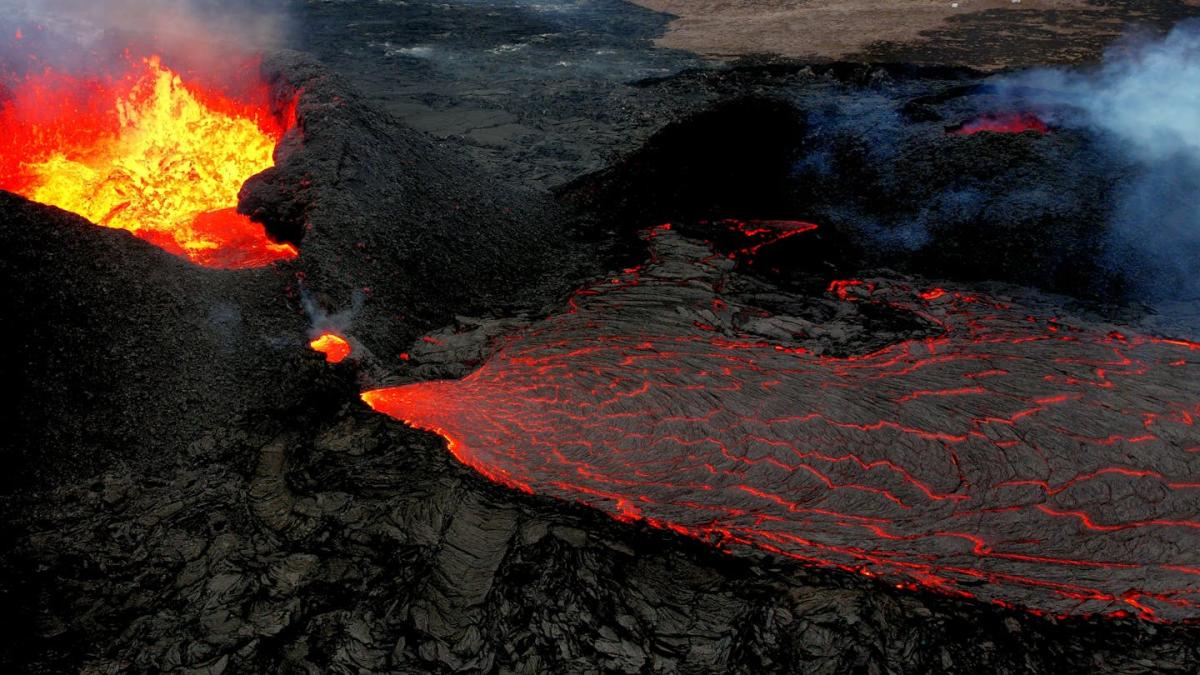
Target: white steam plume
(1144,101)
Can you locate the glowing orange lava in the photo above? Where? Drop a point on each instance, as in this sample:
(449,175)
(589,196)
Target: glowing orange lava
(1003,124)
(334,347)
(143,152)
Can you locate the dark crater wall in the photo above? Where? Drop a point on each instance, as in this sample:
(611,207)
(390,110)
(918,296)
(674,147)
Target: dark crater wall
(383,212)
(121,352)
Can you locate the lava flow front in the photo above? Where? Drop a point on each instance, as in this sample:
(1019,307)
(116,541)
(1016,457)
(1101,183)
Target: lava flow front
(144,152)
(1013,459)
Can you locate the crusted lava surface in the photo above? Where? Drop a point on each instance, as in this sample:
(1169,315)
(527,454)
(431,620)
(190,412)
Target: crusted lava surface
(1010,457)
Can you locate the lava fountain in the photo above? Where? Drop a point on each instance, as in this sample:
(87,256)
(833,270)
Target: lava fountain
(1013,459)
(146,152)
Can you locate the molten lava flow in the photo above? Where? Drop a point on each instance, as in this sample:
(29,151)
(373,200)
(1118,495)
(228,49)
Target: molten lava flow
(1013,459)
(145,153)
(334,347)
(1003,124)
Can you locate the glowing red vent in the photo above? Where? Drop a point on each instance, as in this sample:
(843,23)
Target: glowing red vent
(1003,124)
(334,347)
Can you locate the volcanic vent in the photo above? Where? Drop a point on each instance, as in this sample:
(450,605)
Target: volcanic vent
(145,150)
(1012,123)
(1012,457)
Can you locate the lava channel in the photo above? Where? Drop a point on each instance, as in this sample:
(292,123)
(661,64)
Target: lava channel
(1014,459)
(145,152)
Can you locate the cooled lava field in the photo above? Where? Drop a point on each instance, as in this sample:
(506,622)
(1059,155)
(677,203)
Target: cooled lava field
(492,336)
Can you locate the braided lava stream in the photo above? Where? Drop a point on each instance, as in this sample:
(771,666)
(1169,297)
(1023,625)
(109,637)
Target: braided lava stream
(1014,459)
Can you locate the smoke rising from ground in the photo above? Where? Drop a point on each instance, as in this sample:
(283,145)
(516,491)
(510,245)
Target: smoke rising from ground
(1147,94)
(1144,103)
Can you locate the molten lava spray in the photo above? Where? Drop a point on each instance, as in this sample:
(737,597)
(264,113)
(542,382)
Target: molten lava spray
(146,153)
(334,347)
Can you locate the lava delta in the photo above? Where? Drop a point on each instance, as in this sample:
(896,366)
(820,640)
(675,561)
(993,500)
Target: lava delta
(1013,458)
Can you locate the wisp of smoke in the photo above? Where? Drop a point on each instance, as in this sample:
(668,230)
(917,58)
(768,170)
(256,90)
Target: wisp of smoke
(322,320)
(1144,102)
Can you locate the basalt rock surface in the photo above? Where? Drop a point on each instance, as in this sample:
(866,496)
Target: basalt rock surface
(121,352)
(392,225)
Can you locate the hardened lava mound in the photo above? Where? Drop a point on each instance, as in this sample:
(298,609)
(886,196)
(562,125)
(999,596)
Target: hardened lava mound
(1011,457)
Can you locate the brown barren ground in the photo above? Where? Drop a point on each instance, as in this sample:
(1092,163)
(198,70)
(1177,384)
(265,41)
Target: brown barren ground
(985,34)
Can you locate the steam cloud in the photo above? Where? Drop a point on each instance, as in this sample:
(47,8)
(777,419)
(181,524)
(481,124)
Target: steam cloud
(204,29)
(1144,102)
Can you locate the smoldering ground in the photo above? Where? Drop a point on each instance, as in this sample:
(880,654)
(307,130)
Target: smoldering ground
(1143,103)
(1102,206)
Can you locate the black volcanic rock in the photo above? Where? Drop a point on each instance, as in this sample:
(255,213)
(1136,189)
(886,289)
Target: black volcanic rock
(838,145)
(190,488)
(122,352)
(384,212)
(729,161)
(325,538)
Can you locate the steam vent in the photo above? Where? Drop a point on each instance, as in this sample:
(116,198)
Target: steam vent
(614,336)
